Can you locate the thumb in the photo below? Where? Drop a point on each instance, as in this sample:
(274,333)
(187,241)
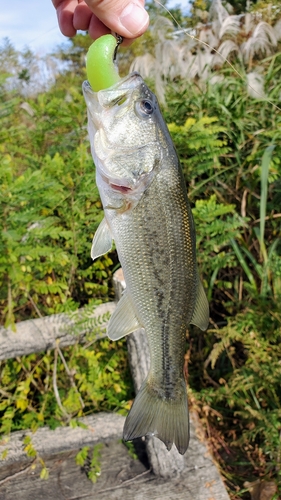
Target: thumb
(127,18)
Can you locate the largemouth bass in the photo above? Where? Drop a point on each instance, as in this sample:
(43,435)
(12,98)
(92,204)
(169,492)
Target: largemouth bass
(148,215)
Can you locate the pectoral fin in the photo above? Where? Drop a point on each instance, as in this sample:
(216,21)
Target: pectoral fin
(123,321)
(201,313)
(102,241)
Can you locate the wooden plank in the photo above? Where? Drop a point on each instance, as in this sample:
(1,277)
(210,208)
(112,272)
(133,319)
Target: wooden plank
(122,477)
(58,449)
(99,427)
(41,334)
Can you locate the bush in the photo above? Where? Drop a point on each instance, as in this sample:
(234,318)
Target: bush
(50,208)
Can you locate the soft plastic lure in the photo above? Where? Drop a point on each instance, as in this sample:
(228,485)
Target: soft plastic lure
(101,70)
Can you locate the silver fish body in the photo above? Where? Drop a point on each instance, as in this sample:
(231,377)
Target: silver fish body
(147,213)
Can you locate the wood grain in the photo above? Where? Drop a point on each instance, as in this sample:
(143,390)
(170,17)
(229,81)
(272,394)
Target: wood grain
(41,334)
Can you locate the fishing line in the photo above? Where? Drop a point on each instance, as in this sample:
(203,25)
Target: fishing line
(216,51)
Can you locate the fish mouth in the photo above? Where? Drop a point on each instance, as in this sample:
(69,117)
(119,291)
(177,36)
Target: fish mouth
(108,156)
(128,82)
(118,93)
(96,101)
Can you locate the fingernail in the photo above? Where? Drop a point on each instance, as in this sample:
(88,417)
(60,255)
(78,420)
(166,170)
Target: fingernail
(134,18)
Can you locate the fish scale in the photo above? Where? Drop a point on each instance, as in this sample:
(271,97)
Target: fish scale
(138,239)
(148,215)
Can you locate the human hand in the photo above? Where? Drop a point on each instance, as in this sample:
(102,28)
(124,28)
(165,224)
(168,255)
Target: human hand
(125,17)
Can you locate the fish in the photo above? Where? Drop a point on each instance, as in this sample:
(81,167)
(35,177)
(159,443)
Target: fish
(148,215)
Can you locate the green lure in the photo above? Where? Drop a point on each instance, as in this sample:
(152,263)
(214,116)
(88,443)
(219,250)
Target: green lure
(101,70)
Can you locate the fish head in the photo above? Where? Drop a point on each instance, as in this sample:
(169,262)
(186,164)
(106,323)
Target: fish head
(126,134)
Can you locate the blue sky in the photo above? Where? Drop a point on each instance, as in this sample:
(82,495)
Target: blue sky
(33,23)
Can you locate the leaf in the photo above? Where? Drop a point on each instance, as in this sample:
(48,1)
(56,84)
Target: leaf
(44,474)
(82,455)
(244,264)
(266,158)
(261,490)
(4,454)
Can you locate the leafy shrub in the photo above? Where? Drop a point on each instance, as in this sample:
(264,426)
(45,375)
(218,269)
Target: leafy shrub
(50,209)
(55,387)
(240,393)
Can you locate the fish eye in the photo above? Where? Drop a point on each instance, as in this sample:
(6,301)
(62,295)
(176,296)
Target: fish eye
(144,108)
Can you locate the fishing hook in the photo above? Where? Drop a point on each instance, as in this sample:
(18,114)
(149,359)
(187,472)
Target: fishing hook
(119,40)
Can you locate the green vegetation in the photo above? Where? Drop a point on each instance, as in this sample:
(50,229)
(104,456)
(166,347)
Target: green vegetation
(229,143)
(90,465)
(55,387)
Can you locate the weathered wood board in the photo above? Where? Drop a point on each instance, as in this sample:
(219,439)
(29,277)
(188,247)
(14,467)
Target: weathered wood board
(41,334)
(122,477)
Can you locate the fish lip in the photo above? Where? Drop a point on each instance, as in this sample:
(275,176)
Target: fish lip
(96,101)
(133,78)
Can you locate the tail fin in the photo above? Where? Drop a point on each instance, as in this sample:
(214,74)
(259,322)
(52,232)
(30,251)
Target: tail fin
(165,418)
